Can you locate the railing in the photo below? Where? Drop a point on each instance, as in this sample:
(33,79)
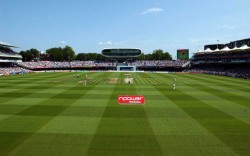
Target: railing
(10,60)
(10,55)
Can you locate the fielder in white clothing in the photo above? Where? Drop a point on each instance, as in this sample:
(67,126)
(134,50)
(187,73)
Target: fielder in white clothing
(84,82)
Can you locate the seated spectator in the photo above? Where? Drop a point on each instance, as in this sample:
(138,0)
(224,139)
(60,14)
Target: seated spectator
(12,70)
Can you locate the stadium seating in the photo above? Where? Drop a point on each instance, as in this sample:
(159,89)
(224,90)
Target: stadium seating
(73,64)
(12,70)
(225,70)
(233,63)
(159,63)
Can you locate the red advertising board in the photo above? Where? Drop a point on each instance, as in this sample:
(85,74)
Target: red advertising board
(131,99)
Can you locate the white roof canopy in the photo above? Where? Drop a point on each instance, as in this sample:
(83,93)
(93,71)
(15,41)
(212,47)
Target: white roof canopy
(217,50)
(208,50)
(235,48)
(244,47)
(225,48)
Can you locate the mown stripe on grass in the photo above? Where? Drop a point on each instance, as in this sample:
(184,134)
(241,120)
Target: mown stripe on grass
(226,105)
(227,84)
(10,140)
(27,78)
(69,133)
(17,93)
(226,79)
(43,144)
(177,132)
(32,95)
(229,129)
(229,93)
(28,120)
(124,130)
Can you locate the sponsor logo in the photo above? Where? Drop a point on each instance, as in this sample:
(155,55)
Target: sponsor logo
(131,99)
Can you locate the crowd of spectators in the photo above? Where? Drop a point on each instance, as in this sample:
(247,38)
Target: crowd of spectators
(225,56)
(159,63)
(12,70)
(44,65)
(78,64)
(228,63)
(233,71)
(73,64)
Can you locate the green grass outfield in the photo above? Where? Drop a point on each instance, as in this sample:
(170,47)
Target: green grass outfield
(53,114)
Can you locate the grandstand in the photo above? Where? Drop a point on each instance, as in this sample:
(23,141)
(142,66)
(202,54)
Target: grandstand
(120,60)
(225,55)
(228,62)
(8,60)
(233,61)
(147,65)
(231,45)
(7,54)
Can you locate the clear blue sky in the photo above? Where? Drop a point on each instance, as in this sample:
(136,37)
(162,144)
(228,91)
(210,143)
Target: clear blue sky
(91,25)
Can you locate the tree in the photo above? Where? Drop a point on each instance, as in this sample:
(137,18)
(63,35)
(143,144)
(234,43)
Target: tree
(80,56)
(100,57)
(35,53)
(30,55)
(68,53)
(167,56)
(90,56)
(149,57)
(158,54)
(23,55)
(141,57)
(55,54)
(61,54)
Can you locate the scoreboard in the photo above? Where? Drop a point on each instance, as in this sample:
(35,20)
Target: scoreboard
(182,54)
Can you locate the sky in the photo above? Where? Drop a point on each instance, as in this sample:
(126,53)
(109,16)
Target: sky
(92,25)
